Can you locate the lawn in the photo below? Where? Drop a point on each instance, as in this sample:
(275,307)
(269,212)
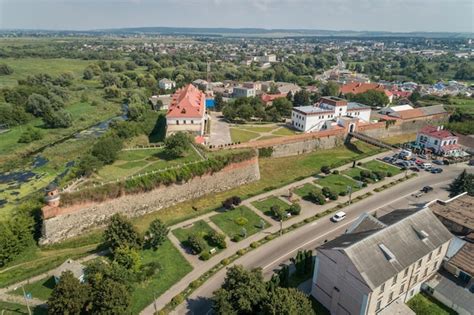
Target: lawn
(173,267)
(422,304)
(40,289)
(7,308)
(241,135)
(141,161)
(266,204)
(337,183)
(284,131)
(259,129)
(227,221)
(307,188)
(199,228)
(352,172)
(376,166)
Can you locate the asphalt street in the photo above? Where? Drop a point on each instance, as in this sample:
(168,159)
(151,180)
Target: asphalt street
(271,255)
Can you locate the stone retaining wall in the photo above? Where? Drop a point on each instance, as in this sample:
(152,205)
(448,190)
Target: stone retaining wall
(75,220)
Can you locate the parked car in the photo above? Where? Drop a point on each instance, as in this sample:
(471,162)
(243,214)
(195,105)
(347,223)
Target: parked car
(418,194)
(339,216)
(387,159)
(438,162)
(422,156)
(426,189)
(414,169)
(426,166)
(436,170)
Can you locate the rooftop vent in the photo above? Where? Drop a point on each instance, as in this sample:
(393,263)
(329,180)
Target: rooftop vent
(421,234)
(387,253)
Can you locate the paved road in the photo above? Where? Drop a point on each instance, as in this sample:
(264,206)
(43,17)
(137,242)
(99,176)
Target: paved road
(220,131)
(271,255)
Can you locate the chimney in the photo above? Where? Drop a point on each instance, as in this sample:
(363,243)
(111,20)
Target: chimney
(442,127)
(438,128)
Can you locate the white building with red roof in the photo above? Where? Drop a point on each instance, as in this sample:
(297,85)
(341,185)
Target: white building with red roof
(439,140)
(187,111)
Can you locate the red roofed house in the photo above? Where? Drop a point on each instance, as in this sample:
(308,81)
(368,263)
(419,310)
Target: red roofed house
(441,141)
(187,111)
(269,98)
(357,88)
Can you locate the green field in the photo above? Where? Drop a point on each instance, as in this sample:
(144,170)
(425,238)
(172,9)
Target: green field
(241,135)
(227,221)
(200,228)
(245,133)
(266,204)
(306,189)
(376,166)
(422,304)
(337,183)
(352,172)
(41,289)
(7,308)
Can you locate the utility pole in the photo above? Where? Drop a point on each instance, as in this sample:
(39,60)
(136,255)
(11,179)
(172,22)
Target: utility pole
(26,300)
(281,227)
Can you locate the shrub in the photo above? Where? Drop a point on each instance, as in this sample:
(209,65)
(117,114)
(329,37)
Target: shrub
(389,174)
(5,69)
(325,169)
(277,212)
(30,135)
(295,209)
(265,152)
(269,237)
(195,284)
(240,252)
(225,261)
(316,197)
(335,172)
(236,200)
(359,163)
(178,299)
(364,184)
(254,245)
(217,239)
(342,193)
(196,244)
(236,238)
(228,203)
(205,256)
(241,221)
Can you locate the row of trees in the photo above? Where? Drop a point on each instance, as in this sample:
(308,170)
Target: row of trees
(246,109)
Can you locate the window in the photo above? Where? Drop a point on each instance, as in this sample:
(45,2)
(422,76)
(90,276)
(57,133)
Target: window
(430,255)
(390,297)
(184,122)
(436,142)
(382,288)
(435,266)
(394,280)
(379,302)
(177,122)
(415,280)
(425,273)
(439,249)
(402,288)
(419,263)
(192,121)
(406,273)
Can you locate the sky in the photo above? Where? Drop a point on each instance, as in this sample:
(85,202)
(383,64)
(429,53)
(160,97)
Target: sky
(358,15)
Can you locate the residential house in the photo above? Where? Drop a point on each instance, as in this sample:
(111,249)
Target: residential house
(269,98)
(359,87)
(438,140)
(240,91)
(76,268)
(318,116)
(159,102)
(166,84)
(379,262)
(457,213)
(187,111)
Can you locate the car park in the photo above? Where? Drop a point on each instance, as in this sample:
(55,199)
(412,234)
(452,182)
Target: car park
(414,169)
(422,156)
(339,216)
(438,162)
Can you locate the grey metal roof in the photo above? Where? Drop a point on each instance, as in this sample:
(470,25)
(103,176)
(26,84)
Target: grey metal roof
(433,110)
(354,105)
(311,109)
(403,239)
(76,268)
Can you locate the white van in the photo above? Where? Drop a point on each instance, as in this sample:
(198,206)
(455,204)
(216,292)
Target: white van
(426,165)
(339,216)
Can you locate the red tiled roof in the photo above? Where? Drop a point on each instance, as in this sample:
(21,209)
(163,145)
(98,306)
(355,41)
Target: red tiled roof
(433,131)
(357,87)
(401,94)
(450,147)
(271,97)
(188,102)
(410,113)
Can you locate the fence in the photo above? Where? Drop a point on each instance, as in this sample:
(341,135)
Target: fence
(145,147)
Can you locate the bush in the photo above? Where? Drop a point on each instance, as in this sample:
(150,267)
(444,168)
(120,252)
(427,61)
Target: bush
(225,261)
(265,152)
(364,184)
(316,197)
(389,174)
(177,144)
(196,244)
(241,221)
(254,245)
(107,148)
(240,252)
(295,209)
(178,299)
(342,193)
(236,200)
(335,172)
(269,237)
(5,69)
(228,203)
(217,239)
(205,256)
(195,284)
(359,163)
(236,238)
(325,169)
(30,135)
(277,212)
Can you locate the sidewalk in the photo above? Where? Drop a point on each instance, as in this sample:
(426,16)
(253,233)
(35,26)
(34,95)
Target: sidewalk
(309,209)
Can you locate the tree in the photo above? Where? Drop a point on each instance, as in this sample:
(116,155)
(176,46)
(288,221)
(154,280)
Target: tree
(219,102)
(464,182)
(217,239)
(330,89)
(241,293)
(178,144)
(107,148)
(283,106)
(108,79)
(156,234)
(9,245)
(68,297)
(325,169)
(88,74)
(37,105)
(370,98)
(136,111)
(301,98)
(57,119)
(287,301)
(89,164)
(196,244)
(121,233)
(110,297)
(278,213)
(5,69)
(128,258)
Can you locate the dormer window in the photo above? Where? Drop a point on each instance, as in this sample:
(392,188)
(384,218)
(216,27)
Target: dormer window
(387,253)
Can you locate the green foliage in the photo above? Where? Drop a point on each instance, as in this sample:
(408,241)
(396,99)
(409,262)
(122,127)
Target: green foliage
(283,106)
(5,69)
(156,234)
(301,98)
(107,148)
(219,102)
(325,169)
(69,296)
(316,197)
(265,152)
(245,109)
(278,213)
(110,297)
(13,115)
(177,144)
(38,105)
(284,276)
(111,92)
(15,236)
(295,209)
(205,256)
(464,182)
(89,164)
(196,244)
(57,119)
(287,301)
(303,262)
(241,293)
(330,89)
(217,239)
(371,98)
(30,134)
(88,74)
(121,233)
(128,258)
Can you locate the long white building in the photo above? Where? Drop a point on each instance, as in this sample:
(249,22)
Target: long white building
(325,112)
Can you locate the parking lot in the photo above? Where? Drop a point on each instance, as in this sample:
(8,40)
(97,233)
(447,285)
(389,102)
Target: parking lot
(416,162)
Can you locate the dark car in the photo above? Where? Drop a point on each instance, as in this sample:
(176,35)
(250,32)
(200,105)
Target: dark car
(436,170)
(438,162)
(414,169)
(426,189)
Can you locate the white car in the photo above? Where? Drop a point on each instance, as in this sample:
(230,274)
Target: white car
(339,216)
